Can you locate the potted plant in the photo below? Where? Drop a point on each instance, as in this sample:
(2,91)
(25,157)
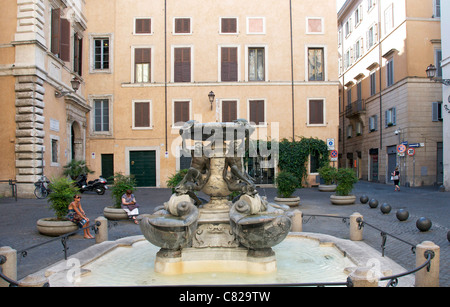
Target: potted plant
(121,184)
(75,168)
(286,184)
(345,178)
(328,174)
(59,200)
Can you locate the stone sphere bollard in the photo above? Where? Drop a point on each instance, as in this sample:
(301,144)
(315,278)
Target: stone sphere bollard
(448,236)
(423,224)
(385,208)
(373,203)
(364,199)
(402,215)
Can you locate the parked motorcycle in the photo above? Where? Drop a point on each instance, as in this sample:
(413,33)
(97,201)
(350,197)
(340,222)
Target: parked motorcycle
(98,185)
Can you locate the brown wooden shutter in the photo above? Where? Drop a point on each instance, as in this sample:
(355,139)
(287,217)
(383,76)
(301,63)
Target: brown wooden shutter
(65,40)
(182,65)
(143,26)
(316,111)
(56,31)
(77,54)
(182,25)
(229,64)
(229,111)
(181,111)
(229,25)
(257,111)
(142,114)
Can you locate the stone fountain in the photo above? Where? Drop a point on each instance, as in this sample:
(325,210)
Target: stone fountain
(218,235)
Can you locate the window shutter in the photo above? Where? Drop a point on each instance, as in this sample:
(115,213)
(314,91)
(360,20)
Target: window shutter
(386,114)
(77,57)
(142,114)
(257,112)
(182,65)
(181,111)
(316,111)
(229,64)
(376,122)
(182,25)
(229,25)
(143,26)
(65,40)
(229,111)
(394,116)
(56,31)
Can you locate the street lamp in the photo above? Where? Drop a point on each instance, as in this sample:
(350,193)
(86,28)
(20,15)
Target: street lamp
(431,74)
(75,86)
(211,97)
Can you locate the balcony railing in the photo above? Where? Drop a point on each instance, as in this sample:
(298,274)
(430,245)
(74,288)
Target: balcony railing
(357,107)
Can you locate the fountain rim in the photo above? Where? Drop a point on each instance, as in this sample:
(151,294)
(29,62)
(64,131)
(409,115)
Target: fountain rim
(357,251)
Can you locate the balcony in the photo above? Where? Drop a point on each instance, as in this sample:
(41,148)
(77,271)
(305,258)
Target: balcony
(355,109)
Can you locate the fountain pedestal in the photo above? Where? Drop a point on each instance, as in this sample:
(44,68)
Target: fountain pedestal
(219,236)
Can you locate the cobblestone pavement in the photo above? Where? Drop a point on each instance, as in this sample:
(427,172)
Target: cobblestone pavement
(18,222)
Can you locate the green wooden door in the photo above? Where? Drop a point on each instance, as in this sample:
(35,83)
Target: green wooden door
(108,167)
(143,167)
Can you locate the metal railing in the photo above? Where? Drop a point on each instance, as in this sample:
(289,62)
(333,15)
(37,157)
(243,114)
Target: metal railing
(13,184)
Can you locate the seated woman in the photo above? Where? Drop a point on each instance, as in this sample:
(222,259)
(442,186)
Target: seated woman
(130,206)
(76,215)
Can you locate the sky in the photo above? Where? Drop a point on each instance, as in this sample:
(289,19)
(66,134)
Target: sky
(339,4)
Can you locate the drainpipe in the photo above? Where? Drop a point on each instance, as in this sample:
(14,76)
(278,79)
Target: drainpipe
(292,73)
(381,90)
(165,72)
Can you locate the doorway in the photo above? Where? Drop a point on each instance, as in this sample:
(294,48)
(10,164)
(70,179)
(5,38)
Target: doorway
(143,167)
(108,167)
(392,161)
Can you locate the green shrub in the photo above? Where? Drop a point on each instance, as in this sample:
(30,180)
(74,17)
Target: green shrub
(345,178)
(121,184)
(75,168)
(175,179)
(328,174)
(63,191)
(286,184)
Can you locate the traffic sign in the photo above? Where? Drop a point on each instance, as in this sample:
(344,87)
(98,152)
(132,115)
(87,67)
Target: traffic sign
(414,145)
(401,148)
(334,155)
(330,144)
(411,152)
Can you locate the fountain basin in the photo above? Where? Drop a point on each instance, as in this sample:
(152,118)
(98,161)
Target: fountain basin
(108,264)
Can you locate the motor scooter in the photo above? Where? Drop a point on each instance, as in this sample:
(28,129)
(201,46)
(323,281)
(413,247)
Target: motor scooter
(98,185)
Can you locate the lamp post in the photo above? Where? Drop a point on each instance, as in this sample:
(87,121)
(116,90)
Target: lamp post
(211,97)
(431,74)
(75,86)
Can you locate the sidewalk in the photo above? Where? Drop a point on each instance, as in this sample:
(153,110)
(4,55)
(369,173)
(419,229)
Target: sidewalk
(18,222)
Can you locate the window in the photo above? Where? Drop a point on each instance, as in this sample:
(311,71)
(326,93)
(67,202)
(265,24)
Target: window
(182,26)
(257,112)
(256,25)
(143,26)
(373,123)
(182,64)
(390,117)
(371,36)
(229,64)
(60,36)
(437,111)
(373,83)
(142,64)
(142,114)
(438,59)
(101,115)
(314,25)
(349,97)
(54,150)
(348,27)
(390,72)
(77,54)
(101,53)
(370,4)
(256,64)
(359,49)
(437,8)
(228,25)
(359,129)
(388,19)
(181,112)
(349,131)
(229,110)
(316,111)
(316,64)
(358,15)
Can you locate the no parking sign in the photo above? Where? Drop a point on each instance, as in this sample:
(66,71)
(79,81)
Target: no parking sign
(333,155)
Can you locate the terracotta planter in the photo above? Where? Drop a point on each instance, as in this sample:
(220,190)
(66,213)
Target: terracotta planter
(343,200)
(327,187)
(112,213)
(52,227)
(291,201)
